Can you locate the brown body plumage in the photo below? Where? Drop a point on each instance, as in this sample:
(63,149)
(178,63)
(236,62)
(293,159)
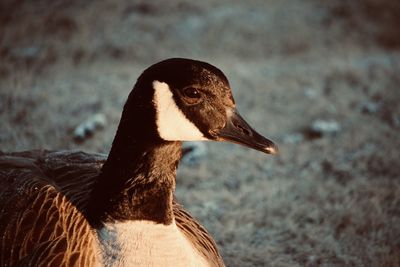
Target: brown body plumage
(42,206)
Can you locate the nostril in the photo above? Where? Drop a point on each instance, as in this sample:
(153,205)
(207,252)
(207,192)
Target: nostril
(245,131)
(242,129)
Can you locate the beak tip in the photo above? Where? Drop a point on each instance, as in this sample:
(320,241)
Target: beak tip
(273,149)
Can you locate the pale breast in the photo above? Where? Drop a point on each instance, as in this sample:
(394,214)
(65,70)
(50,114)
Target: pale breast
(144,243)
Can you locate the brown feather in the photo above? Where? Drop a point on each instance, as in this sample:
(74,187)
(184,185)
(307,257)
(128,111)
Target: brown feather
(43,196)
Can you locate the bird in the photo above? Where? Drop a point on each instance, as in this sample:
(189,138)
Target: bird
(71,208)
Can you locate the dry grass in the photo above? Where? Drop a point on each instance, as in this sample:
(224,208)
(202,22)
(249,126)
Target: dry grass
(324,201)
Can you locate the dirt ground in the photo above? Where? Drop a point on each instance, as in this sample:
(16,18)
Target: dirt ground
(332,195)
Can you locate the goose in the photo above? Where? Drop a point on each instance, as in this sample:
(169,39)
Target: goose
(71,208)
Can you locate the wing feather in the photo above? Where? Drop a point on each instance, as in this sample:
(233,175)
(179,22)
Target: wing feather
(42,198)
(36,217)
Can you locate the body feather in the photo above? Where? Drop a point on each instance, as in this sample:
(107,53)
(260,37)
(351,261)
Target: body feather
(43,196)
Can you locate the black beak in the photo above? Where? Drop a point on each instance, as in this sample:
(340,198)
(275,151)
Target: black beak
(237,130)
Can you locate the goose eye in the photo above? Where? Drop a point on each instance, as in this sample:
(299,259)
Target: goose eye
(192,93)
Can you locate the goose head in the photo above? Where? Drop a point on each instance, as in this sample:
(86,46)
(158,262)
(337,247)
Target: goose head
(191,101)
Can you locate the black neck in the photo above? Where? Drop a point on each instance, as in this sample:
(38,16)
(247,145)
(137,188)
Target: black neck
(137,181)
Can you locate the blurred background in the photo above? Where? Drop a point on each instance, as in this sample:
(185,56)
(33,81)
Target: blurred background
(321,78)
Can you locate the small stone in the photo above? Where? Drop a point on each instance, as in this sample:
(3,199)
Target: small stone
(396,120)
(325,127)
(26,52)
(89,126)
(310,93)
(193,152)
(370,107)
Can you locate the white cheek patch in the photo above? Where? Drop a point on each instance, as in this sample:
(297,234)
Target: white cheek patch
(172,124)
